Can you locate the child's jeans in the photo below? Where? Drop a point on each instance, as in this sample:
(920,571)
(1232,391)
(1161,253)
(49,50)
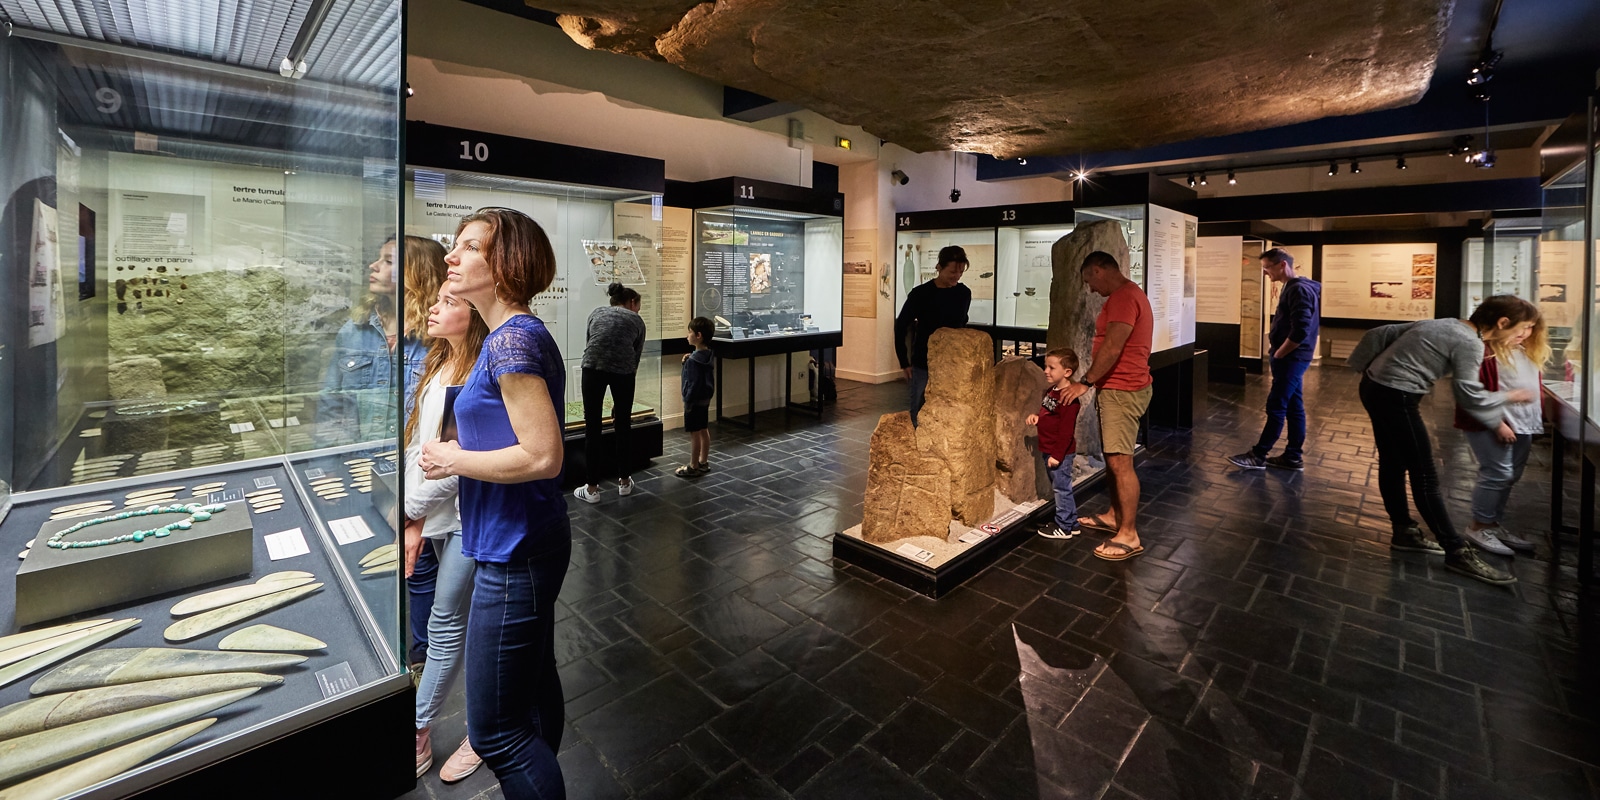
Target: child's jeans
(1066,503)
(1499,467)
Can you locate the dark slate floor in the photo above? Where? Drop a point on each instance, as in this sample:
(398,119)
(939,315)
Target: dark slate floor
(1267,645)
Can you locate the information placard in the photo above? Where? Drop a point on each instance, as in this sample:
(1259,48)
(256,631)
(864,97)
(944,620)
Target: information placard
(1172,275)
(1221,266)
(1395,282)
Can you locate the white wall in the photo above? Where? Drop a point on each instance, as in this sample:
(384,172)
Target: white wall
(930,174)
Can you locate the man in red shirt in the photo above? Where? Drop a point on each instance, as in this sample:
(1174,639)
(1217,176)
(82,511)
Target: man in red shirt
(1120,368)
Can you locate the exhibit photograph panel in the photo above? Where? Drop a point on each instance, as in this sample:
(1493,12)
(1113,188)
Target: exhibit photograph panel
(761,272)
(917,260)
(1379,281)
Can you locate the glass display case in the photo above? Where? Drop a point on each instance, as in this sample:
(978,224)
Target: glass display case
(766,272)
(1501,261)
(1558,277)
(916,256)
(1132,218)
(199,401)
(600,236)
(1023,274)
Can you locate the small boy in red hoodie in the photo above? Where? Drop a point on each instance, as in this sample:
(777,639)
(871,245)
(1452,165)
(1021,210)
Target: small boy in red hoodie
(1058,427)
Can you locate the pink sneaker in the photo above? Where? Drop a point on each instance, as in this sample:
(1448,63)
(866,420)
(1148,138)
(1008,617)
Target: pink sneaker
(424,751)
(460,764)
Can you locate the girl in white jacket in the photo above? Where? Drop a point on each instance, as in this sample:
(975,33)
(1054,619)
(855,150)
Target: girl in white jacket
(432,520)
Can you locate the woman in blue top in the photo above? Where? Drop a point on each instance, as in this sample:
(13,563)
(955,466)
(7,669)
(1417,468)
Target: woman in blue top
(513,512)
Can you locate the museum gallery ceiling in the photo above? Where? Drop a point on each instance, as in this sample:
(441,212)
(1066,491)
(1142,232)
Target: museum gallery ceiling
(1031,77)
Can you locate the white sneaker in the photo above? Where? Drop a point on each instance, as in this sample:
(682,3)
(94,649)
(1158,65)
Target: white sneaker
(624,489)
(1486,541)
(1515,541)
(583,493)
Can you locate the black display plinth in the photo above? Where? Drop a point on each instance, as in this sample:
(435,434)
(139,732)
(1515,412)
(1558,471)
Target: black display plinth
(646,441)
(55,583)
(1179,390)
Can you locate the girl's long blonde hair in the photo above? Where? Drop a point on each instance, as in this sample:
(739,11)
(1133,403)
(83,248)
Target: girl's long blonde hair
(1516,311)
(425,272)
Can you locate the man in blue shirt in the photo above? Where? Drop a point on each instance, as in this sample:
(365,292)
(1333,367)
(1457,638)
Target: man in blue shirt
(1292,342)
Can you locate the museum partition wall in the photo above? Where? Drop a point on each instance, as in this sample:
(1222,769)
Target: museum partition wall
(605,218)
(199,408)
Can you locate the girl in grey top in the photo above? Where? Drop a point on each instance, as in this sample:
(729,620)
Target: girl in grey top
(1399,365)
(610,361)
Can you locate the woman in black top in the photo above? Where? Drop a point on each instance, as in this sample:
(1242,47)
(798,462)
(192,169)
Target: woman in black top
(610,361)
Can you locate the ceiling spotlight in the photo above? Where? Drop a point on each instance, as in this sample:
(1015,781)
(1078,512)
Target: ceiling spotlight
(1232,181)
(1482,159)
(1461,145)
(1191,180)
(1355,167)
(1333,168)
(409,90)
(1400,162)
(1080,175)
(955,195)
(1202,179)
(1483,71)
(1022,162)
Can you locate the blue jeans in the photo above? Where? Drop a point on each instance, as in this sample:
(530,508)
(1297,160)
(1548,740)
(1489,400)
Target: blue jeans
(420,586)
(1066,501)
(514,701)
(447,625)
(919,390)
(1499,468)
(1285,403)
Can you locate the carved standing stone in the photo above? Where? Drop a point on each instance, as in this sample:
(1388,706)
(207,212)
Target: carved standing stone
(908,491)
(1018,387)
(1073,307)
(956,423)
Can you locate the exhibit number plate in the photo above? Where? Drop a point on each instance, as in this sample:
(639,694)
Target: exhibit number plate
(973,537)
(914,552)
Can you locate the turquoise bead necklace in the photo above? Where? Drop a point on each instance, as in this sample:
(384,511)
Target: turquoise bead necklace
(196,512)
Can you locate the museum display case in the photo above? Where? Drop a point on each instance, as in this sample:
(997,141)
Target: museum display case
(199,404)
(767,272)
(1501,261)
(916,254)
(601,236)
(604,216)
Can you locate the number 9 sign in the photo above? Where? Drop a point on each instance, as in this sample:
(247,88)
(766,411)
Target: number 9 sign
(110,100)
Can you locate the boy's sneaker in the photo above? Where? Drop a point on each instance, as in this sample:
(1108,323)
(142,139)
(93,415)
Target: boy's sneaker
(583,493)
(1412,541)
(1484,539)
(1248,460)
(1055,532)
(1467,562)
(1285,462)
(624,488)
(1515,541)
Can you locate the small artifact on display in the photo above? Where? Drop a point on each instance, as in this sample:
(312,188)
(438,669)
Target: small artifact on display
(57,710)
(216,619)
(270,639)
(381,560)
(87,639)
(87,772)
(269,584)
(119,665)
(196,512)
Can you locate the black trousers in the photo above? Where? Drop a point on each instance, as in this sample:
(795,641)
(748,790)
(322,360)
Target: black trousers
(1404,449)
(595,384)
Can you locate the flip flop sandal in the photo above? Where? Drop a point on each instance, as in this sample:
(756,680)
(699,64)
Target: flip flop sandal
(1127,551)
(1097,522)
(687,471)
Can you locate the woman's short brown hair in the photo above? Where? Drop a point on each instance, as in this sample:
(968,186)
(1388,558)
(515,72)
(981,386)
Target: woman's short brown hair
(518,251)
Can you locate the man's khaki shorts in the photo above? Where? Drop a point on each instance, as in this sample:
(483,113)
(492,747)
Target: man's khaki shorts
(1119,418)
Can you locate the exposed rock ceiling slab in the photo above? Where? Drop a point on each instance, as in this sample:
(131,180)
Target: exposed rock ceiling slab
(1030,77)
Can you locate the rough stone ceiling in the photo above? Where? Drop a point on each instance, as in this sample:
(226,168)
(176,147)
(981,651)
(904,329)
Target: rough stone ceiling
(1034,77)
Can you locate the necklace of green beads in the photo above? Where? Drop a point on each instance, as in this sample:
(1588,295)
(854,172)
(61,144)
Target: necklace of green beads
(196,512)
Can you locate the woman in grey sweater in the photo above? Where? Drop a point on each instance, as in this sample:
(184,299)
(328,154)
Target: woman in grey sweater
(610,361)
(1399,365)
